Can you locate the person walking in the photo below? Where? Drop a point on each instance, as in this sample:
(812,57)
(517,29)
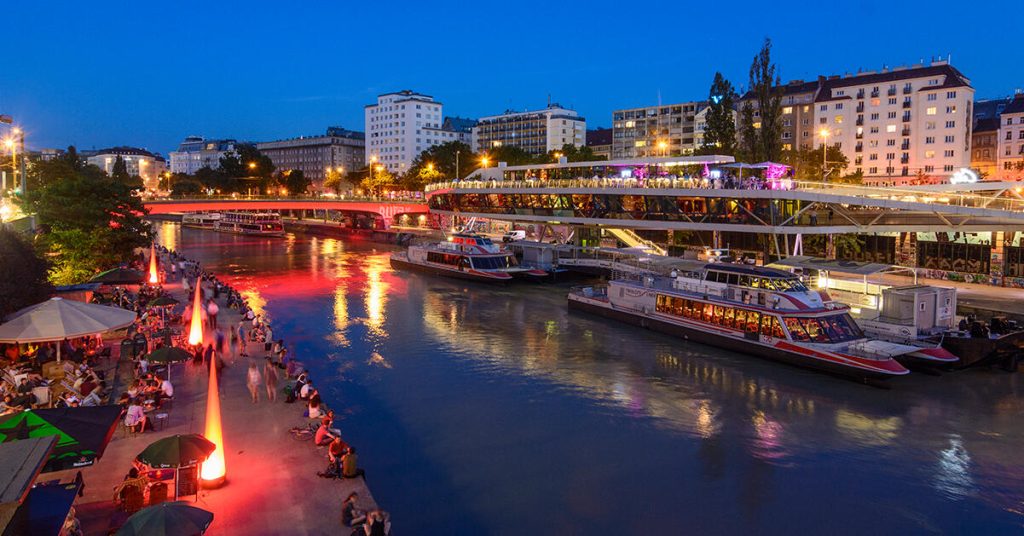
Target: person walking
(270,379)
(253,382)
(211,313)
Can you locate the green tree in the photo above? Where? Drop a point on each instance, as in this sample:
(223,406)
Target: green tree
(808,165)
(443,157)
(335,180)
(418,178)
(571,153)
(766,87)
(120,170)
(377,182)
(749,148)
(511,155)
(294,181)
(246,168)
(186,186)
(720,132)
(22,274)
(94,222)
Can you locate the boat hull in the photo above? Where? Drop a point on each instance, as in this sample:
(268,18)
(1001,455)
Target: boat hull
(404,264)
(729,343)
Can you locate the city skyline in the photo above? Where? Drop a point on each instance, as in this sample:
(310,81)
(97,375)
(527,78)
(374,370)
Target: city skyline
(316,66)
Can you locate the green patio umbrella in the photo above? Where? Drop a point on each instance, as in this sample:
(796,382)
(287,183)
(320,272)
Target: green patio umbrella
(163,301)
(167,519)
(82,432)
(168,354)
(119,276)
(176,451)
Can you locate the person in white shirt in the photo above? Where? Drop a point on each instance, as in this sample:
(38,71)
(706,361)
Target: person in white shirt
(167,388)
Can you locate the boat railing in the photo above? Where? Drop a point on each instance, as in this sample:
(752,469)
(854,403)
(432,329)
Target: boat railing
(590,291)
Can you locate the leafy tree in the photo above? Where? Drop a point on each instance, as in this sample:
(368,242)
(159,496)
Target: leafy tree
(334,181)
(22,274)
(571,153)
(416,179)
(511,155)
(443,157)
(246,167)
(378,181)
(766,86)
(95,222)
(120,170)
(294,181)
(749,149)
(720,132)
(186,186)
(807,163)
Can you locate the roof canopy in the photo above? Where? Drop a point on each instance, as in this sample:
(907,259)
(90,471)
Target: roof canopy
(846,267)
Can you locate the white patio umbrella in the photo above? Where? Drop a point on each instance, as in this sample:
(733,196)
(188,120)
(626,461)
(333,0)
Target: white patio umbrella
(57,319)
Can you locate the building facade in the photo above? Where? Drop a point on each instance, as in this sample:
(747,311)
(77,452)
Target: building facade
(985,136)
(403,124)
(899,126)
(139,162)
(1010,164)
(700,124)
(536,132)
(338,149)
(195,153)
(599,140)
(666,130)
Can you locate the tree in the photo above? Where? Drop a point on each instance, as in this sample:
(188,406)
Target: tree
(378,181)
(720,132)
(334,181)
(186,186)
(120,170)
(749,149)
(443,157)
(570,152)
(95,222)
(807,164)
(416,179)
(511,155)
(766,88)
(246,167)
(294,181)
(22,274)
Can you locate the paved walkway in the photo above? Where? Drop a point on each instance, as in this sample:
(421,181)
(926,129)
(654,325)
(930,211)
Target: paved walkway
(272,487)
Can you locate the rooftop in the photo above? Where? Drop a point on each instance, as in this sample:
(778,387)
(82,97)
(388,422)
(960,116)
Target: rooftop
(1016,106)
(599,136)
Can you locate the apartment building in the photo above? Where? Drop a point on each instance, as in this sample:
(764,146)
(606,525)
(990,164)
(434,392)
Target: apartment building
(536,132)
(336,149)
(195,153)
(985,136)
(665,130)
(137,161)
(899,126)
(1010,163)
(401,125)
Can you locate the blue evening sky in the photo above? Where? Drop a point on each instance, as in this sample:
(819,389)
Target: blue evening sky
(148,73)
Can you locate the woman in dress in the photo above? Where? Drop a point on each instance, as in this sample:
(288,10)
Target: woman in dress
(254,381)
(270,378)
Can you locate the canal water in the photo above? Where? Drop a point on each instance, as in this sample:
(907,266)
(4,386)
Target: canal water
(483,410)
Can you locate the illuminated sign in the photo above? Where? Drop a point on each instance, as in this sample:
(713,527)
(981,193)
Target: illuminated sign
(964,176)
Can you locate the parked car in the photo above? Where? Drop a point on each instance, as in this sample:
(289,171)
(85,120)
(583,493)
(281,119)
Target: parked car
(513,236)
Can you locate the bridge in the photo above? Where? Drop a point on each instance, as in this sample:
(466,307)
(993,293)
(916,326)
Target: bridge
(389,210)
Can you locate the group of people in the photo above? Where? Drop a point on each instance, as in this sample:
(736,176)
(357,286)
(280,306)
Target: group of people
(25,385)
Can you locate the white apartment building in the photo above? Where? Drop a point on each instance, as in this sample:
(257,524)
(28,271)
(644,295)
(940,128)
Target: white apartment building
(1010,160)
(195,153)
(898,126)
(139,162)
(401,126)
(536,132)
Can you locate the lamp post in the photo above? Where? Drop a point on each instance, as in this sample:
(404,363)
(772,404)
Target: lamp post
(663,147)
(457,164)
(824,133)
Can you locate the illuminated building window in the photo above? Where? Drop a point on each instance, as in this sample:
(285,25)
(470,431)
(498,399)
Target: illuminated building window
(787,110)
(839,119)
(890,128)
(931,110)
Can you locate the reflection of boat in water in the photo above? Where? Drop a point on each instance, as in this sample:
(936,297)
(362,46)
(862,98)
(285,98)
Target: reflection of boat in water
(760,311)
(464,256)
(200,220)
(251,223)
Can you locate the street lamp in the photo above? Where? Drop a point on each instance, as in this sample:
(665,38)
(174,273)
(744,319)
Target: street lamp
(824,133)
(484,160)
(662,146)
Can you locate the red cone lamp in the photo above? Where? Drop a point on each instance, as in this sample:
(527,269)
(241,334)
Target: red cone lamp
(154,278)
(213,473)
(195,332)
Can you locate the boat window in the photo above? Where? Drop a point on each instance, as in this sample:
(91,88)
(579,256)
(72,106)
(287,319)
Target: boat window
(741,318)
(753,321)
(490,263)
(727,318)
(734,279)
(830,329)
(745,281)
(796,330)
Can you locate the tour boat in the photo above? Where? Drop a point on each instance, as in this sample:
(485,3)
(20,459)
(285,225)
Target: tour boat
(760,311)
(250,223)
(464,256)
(200,220)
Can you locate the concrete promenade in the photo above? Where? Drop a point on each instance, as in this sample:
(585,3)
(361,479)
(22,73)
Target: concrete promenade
(272,486)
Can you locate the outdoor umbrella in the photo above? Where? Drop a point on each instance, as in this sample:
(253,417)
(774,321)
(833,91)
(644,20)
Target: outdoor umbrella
(163,301)
(57,319)
(82,432)
(176,451)
(168,354)
(174,518)
(119,276)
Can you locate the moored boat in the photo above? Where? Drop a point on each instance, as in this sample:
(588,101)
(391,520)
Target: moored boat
(250,223)
(200,220)
(464,256)
(759,311)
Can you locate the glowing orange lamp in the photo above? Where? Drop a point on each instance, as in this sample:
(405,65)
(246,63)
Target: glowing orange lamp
(195,332)
(153,278)
(214,472)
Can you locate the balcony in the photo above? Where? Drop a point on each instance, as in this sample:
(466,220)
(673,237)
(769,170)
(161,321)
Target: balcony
(860,121)
(906,104)
(906,131)
(907,90)
(905,160)
(859,148)
(860,94)
(905,146)
(874,94)
(906,117)
(859,135)
(860,107)
(891,92)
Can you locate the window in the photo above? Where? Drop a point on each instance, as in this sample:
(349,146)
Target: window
(787,110)
(890,156)
(929,169)
(949,139)
(932,96)
(929,125)
(839,106)
(948,154)
(892,115)
(931,110)
(892,101)
(839,119)
(890,143)
(824,107)
(890,128)
(824,120)
(876,102)
(950,124)
(950,109)
(874,117)
(873,156)
(873,130)
(929,139)
(1020,135)
(951,94)
(929,154)
(872,171)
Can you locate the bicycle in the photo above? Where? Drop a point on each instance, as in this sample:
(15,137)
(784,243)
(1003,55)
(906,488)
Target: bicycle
(303,433)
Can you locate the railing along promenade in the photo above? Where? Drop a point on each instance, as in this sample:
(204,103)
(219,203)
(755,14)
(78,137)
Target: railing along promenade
(959,199)
(321,198)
